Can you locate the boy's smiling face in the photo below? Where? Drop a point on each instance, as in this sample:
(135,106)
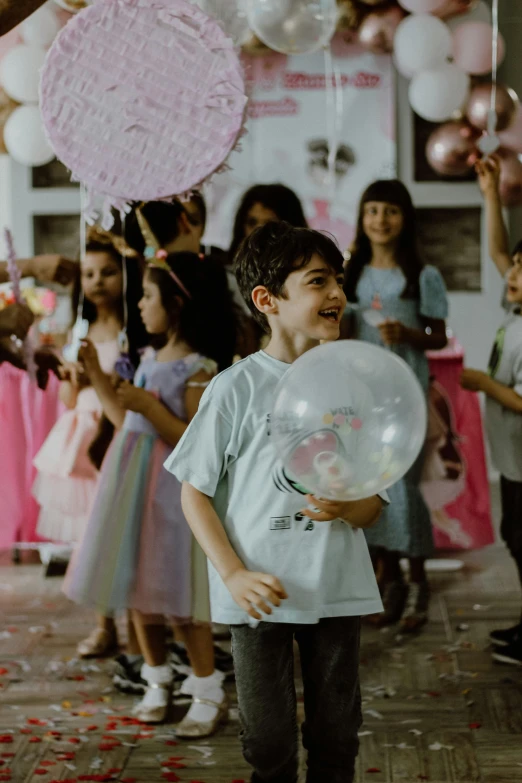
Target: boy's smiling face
(514,281)
(313,304)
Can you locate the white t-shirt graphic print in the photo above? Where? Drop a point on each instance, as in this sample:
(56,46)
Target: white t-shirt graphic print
(227,454)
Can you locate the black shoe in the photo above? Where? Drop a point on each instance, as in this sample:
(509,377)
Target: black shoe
(180,660)
(56,566)
(127,675)
(511,654)
(505,637)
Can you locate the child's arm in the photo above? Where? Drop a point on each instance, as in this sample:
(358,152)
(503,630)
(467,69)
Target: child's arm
(101,383)
(488,171)
(248,588)
(169,427)
(478,381)
(357,513)
(396,333)
(70,385)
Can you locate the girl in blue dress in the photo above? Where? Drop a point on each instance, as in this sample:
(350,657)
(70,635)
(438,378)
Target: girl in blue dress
(394,300)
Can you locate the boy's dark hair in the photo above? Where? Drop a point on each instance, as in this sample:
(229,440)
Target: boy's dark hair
(280,199)
(272,252)
(163,219)
(206,320)
(517,249)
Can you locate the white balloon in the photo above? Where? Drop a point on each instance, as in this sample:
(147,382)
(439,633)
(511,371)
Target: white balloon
(232,15)
(41,28)
(293,26)
(421,42)
(20,72)
(481,13)
(437,93)
(25,138)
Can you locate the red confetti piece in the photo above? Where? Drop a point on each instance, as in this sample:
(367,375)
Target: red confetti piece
(92,728)
(74,740)
(371,770)
(6,739)
(171,743)
(171,776)
(65,757)
(4,671)
(8,755)
(174,765)
(35,739)
(475,725)
(47,763)
(41,772)
(26,731)
(5,777)
(36,722)
(434,694)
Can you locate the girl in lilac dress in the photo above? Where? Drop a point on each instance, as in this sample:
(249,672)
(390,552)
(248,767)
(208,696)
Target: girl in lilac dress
(138,552)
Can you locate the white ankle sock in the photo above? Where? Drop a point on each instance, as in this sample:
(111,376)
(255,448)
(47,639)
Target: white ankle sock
(204,688)
(158,679)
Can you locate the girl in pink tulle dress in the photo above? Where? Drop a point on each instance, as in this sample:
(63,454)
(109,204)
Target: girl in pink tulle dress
(66,480)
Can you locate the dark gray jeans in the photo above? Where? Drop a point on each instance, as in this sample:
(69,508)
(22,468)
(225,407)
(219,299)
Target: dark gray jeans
(264,666)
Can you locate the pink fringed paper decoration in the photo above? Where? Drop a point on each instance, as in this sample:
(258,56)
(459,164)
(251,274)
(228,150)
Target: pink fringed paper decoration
(15,276)
(142,99)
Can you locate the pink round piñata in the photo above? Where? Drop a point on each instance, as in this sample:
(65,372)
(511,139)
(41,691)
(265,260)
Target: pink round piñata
(142,99)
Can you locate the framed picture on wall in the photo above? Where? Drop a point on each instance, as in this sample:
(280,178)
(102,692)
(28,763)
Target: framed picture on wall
(57,234)
(53,175)
(450,240)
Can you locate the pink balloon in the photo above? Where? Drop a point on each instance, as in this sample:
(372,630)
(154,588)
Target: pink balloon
(512,137)
(9,41)
(510,179)
(479,103)
(473,47)
(422,6)
(455,7)
(377,30)
(451,149)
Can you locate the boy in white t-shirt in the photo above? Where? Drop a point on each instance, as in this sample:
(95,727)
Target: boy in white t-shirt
(502,385)
(307,574)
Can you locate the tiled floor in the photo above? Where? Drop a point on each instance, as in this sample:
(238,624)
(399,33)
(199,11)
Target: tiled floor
(435,706)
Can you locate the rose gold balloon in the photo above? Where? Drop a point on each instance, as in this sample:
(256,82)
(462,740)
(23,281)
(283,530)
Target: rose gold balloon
(7,107)
(451,147)
(377,30)
(510,178)
(454,7)
(479,103)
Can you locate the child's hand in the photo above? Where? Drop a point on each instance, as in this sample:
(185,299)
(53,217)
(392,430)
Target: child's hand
(393,332)
(488,170)
(250,589)
(473,380)
(357,513)
(88,358)
(133,399)
(71,372)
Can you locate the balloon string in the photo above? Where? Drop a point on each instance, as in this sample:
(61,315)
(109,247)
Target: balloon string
(334,117)
(492,119)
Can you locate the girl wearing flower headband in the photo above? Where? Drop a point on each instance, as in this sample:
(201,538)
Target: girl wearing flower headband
(66,481)
(138,552)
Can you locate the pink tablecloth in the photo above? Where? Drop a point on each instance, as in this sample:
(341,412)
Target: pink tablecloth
(26,417)
(459,501)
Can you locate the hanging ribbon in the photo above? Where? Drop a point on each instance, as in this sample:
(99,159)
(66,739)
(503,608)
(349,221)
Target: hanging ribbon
(490,142)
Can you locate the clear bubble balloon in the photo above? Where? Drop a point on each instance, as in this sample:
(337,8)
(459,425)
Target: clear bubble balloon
(293,26)
(349,420)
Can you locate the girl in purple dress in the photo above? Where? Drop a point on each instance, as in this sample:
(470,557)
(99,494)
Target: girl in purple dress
(138,552)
